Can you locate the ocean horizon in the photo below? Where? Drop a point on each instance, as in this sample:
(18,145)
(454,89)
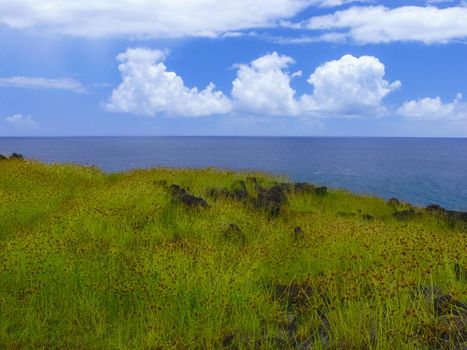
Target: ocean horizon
(421,171)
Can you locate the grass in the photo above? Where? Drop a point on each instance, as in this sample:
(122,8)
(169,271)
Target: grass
(90,260)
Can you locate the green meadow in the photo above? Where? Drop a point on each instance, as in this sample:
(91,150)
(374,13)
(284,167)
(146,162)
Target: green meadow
(90,260)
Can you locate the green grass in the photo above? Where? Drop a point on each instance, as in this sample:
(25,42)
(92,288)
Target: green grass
(90,260)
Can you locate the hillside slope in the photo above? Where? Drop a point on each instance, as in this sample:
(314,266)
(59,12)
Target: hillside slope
(167,258)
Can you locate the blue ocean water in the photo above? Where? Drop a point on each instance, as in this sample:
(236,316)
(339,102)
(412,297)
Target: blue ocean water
(419,170)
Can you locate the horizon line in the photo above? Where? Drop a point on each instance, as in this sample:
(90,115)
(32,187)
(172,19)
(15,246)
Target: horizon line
(232,136)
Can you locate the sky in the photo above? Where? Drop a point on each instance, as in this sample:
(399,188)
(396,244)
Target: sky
(233,67)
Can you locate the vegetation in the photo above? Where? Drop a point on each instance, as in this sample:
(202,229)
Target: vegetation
(90,260)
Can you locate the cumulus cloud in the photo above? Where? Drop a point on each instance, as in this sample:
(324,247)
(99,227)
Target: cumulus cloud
(147,18)
(379,24)
(22,122)
(148,89)
(43,83)
(348,86)
(263,87)
(434,109)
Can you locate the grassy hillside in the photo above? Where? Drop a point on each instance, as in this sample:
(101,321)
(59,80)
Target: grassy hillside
(126,261)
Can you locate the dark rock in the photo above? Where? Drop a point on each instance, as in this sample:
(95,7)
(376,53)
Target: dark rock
(404,214)
(286,187)
(455,219)
(271,200)
(435,209)
(227,341)
(447,332)
(321,191)
(447,304)
(233,232)
(240,195)
(393,201)
(16,156)
(298,233)
(180,194)
(176,190)
(303,187)
(457,215)
(239,191)
(449,328)
(192,201)
(2,157)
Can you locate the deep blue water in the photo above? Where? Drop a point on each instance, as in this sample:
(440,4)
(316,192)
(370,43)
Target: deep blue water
(421,171)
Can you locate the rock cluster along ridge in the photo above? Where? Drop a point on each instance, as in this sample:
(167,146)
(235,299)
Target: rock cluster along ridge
(409,212)
(182,195)
(14,156)
(271,200)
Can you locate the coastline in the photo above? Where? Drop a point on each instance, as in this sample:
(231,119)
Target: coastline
(419,171)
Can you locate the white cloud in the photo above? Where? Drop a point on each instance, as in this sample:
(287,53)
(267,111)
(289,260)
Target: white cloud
(147,18)
(334,3)
(434,109)
(379,24)
(348,86)
(43,83)
(152,18)
(149,89)
(22,122)
(263,87)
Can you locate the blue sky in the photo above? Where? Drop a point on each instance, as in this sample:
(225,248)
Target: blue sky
(243,67)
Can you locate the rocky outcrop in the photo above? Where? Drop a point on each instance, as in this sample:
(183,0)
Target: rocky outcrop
(321,191)
(449,329)
(393,202)
(271,200)
(13,156)
(181,195)
(239,191)
(453,218)
(303,187)
(16,156)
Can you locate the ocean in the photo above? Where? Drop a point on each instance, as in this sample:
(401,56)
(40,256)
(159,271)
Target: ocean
(421,171)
